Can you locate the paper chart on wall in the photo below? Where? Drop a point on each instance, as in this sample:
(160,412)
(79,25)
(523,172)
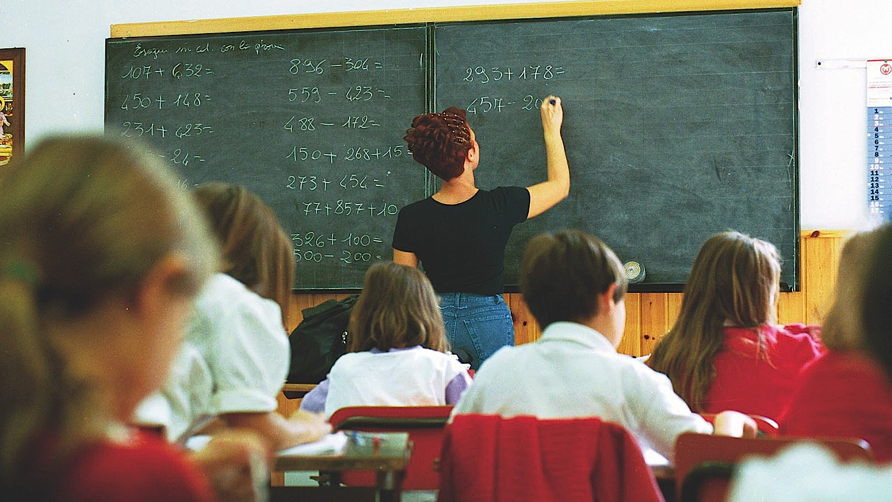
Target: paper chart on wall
(879,133)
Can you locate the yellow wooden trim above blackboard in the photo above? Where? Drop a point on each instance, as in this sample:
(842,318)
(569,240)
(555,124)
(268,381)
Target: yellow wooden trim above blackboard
(438,14)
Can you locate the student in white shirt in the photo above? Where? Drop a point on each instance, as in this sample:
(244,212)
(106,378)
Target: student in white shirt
(574,286)
(235,357)
(809,472)
(397,349)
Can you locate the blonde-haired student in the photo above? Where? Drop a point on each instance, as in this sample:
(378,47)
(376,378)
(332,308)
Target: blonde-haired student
(845,392)
(101,257)
(857,369)
(574,286)
(397,348)
(235,357)
(725,350)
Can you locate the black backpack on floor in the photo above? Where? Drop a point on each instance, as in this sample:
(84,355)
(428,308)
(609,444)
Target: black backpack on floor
(319,340)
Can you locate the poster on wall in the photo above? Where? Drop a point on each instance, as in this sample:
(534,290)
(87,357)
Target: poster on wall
(879,132)
(12,108)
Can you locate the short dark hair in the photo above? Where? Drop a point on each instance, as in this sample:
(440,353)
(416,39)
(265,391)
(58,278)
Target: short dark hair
(562,275)
(440,142)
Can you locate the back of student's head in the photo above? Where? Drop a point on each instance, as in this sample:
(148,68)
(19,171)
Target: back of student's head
(397,308)
(842,329)
(876,312)
(735,279)
(440,142)
(563,273)
(256,250)
(83,220)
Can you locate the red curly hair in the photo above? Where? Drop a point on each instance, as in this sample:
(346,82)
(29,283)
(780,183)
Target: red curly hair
(440,142)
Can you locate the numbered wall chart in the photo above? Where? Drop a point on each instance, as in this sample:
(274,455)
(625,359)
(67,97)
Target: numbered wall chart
(879,131)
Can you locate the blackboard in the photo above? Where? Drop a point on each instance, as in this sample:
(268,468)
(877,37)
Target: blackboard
(677,126)
(310,120)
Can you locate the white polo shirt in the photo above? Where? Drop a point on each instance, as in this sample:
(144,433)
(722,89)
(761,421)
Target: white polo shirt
(401,377)
(234,359)
(574,371)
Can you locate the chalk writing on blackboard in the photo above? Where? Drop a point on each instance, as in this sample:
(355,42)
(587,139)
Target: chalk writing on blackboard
(310,120)
(676,126)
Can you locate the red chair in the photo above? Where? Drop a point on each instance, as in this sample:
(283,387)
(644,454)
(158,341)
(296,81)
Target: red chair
(705,463)
(526,459)
(425,425)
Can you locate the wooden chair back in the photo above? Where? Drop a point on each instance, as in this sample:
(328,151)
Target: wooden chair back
(705,464)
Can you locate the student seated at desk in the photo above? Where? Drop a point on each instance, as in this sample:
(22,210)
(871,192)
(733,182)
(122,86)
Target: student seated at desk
(574,286)
(862,309)
(845,392)
(234,360)
(397,349)
(725,351)
(101,257)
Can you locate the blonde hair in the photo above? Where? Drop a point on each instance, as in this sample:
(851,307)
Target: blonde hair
(875,297)
(842,329)
(735,278)
(396,309)
(256,250)
(82,219)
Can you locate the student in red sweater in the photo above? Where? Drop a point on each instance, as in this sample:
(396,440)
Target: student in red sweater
(724,351)
(856,396)
(845,392)
(101,257)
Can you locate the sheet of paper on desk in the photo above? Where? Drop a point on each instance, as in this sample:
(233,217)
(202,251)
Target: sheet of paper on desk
(332,444)
(654,459)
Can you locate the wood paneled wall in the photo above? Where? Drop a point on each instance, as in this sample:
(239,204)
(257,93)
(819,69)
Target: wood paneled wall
(650,315)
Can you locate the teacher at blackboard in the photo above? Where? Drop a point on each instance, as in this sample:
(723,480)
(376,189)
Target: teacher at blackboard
(459,234)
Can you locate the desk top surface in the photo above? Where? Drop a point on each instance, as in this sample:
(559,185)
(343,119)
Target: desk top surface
(365,451)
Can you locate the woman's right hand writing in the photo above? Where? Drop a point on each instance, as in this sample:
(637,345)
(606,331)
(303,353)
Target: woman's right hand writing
(552,115)
(548,193)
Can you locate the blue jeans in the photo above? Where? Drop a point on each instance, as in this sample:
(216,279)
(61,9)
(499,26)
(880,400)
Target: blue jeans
(477,325)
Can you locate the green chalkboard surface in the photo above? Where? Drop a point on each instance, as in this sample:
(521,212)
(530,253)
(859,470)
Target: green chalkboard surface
(676,127)
(310,120)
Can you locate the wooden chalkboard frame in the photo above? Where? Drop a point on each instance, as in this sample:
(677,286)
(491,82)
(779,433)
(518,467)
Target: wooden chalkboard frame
(438,14)
(455,14)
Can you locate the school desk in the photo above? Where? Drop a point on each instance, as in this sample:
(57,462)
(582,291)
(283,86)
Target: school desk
(385,453)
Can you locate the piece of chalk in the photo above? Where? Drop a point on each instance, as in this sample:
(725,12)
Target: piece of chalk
(552,101)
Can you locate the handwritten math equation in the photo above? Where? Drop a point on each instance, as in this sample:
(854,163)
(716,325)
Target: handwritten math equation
(507,78)
(311,122)
(315,247)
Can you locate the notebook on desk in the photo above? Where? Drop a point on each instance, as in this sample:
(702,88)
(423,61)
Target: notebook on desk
(332,444)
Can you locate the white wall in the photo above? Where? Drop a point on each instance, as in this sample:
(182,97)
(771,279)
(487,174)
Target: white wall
(65,40)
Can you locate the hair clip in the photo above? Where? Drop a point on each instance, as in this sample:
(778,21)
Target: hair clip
(457,126)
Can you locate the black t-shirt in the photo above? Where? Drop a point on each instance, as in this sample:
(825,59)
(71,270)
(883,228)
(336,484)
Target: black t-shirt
(462,246)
